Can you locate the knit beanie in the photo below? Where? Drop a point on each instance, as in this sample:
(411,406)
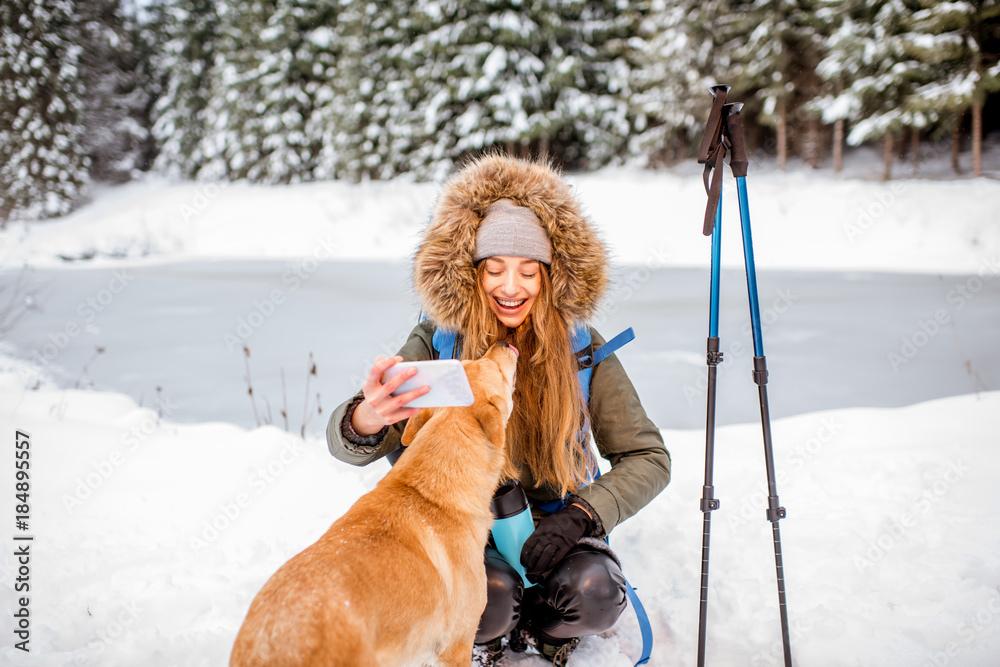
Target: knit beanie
(513,231)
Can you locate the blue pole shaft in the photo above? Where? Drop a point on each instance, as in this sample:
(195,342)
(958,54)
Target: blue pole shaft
(708,501)
(758,341)
(774,511)
(713,321)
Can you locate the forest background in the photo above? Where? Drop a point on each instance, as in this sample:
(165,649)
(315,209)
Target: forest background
(285,91)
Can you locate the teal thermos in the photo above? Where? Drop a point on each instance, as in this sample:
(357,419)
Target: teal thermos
(512,524)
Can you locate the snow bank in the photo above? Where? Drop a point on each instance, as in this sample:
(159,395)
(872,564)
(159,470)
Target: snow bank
(151,538)
(654,219)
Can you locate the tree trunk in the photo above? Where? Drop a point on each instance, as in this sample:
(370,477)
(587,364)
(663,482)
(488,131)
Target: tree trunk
(782,135)
(838,145)
(977,139)
(543,148)
(915,151)
(887,157)
(812,147)
(977,117)
(956,144)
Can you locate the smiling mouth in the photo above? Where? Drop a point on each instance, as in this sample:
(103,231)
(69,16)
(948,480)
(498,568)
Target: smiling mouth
(510,306)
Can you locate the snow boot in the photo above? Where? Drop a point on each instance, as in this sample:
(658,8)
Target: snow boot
(488,654)
(558,654)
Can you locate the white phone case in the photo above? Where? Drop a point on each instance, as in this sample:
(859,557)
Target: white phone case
(446,378)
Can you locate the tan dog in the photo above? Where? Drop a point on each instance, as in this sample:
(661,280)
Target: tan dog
(399,579)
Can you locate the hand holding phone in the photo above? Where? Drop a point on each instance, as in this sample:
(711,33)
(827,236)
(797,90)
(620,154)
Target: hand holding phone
(449,385)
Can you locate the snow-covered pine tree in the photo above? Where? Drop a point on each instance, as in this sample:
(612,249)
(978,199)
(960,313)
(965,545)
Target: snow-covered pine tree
(871,59)
(670,85)
(263,88)
(845,58)
(184,34)
(43,161)
(955,38)
(775,45)
(601,38)
(364,104)
(482,72)
(112,73)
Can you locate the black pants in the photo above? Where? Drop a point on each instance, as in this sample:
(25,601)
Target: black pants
(584,595)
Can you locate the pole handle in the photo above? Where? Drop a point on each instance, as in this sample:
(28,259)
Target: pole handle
(734,131)
(713,128)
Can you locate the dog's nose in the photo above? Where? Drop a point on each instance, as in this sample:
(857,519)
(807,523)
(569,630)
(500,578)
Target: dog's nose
(506,344)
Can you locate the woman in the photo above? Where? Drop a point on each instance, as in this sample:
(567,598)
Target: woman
(509,255)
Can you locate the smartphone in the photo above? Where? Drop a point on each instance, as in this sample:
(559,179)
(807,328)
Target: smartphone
(446,378)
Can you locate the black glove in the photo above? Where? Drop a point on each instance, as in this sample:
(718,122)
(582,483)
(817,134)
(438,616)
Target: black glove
(555,535)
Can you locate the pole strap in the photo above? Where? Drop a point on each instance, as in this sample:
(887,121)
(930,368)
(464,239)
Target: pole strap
(711,153)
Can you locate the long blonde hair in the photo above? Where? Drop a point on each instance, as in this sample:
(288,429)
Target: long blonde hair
(549,411)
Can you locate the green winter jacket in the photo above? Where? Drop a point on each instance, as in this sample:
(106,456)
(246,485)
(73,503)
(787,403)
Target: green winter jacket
(624,435)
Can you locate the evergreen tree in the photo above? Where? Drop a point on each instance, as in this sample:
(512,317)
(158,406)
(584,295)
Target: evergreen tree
(364,115)
(111,72)
(845,59)
(671,82)
(956,39)
(263,90)
(483,76)
(600,39)
(871,59)
(43,161)
(776,45)
(184,34)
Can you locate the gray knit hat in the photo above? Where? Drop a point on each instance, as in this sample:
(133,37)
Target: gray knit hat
(514,231)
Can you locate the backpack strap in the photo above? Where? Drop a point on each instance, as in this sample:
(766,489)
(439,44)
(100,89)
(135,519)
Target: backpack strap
(444,343)
(587,357)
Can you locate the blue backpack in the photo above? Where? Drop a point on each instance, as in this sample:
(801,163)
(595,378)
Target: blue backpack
(444,342)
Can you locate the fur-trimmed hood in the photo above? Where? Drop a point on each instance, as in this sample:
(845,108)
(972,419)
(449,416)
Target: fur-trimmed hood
(444,273)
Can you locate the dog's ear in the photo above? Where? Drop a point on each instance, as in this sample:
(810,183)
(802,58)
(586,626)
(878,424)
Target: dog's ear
(493,422)
(415,423)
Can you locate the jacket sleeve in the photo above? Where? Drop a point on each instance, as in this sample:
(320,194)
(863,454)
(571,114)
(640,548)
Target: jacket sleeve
(363,450)
(625,436)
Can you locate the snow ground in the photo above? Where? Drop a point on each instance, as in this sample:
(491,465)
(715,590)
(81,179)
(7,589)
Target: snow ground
(152,537)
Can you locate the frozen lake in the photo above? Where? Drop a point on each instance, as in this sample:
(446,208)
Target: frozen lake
(173,334)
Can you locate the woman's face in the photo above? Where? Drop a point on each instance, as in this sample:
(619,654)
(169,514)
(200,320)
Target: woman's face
(511,284)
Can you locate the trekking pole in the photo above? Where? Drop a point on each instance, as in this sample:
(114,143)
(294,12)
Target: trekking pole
(711,153)
(739,163)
